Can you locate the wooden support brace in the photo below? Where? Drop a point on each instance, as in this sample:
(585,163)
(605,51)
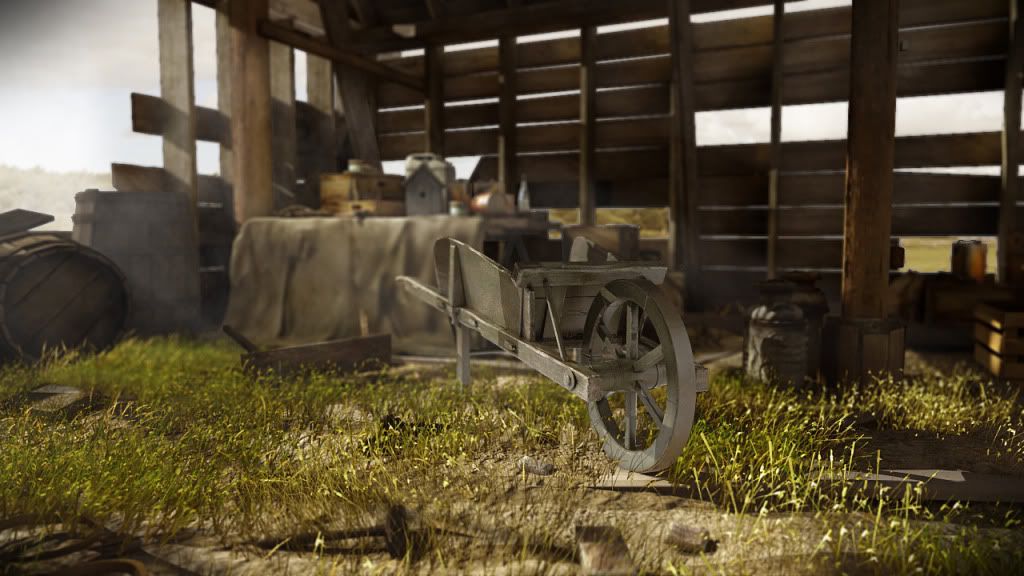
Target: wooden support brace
(223,23)
(1011,231)
(683,154)
(434,102)
(358,91)
(178,94)
(508,168)
(251,140)
(588,122)
(282,92)
(778,45)
(323,155)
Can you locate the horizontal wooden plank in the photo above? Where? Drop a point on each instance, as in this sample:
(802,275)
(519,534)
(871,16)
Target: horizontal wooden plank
(150,115)
(828,188)
(134,178)
(611,104)
(980,34)
(828,221)
(801,253)
(997,341)
(975,149)
(728,287)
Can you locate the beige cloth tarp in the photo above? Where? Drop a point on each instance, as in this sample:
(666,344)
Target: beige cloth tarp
(304,280)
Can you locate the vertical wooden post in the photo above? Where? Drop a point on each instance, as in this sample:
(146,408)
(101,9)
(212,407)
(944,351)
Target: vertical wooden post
(684,196)
(224,83)
(358,90)
(282,92)
(177,90)
(1011,235)
(588,96)
(320,95)
(434,101)
(508,167)
(868,342)
(778,42)
(250,111)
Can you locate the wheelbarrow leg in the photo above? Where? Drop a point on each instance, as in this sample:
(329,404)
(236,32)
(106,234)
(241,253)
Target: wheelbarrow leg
(462,337)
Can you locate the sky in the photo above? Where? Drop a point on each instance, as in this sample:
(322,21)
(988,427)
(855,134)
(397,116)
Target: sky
(69,66)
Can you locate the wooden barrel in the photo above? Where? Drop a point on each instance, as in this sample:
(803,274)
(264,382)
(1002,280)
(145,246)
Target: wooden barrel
(57,293)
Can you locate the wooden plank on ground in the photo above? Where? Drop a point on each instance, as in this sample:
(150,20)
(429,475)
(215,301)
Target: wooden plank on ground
(370,352)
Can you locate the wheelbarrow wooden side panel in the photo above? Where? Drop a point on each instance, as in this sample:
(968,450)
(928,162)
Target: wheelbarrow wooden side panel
(482,285)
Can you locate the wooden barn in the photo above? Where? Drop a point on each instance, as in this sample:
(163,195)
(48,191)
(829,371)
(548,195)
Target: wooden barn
(606,119)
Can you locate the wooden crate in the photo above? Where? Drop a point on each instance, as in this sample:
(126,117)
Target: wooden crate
(374,207)
(336,189)
(999,340)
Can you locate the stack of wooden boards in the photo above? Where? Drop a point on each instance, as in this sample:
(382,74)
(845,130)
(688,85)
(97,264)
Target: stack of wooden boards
(999,340)
(351,193)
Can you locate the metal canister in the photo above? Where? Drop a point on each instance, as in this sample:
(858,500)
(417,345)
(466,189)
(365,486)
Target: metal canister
(800,288)
(776,346)
(969,259)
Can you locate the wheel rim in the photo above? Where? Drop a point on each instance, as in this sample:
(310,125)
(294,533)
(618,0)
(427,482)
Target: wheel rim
(645,428)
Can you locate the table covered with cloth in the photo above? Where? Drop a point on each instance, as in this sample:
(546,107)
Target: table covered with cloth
(303,280)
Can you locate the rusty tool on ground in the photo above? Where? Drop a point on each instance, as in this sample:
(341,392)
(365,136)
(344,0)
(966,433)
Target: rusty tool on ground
(396,529)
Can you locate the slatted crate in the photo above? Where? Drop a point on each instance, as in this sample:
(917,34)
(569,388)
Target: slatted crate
(999,340)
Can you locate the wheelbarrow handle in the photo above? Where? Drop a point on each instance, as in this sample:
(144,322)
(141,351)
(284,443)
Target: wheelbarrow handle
(425,293)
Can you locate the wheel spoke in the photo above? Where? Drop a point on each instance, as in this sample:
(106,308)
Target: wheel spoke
(650,360)
(632,330)
(630,432)
(652,407)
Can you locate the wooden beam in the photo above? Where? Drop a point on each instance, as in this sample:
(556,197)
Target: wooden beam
(436,8)
(320,96)
(434,103)
(588,121)
(224,58)
(508,168)
(341,57)
(251,111)
(283,127)
(358,92)
(870,159)
(178,93)
(152,115)
(683,154)
(778,43)
(1011,253)
(366,12)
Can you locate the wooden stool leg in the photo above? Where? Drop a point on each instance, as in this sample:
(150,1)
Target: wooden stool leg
(462,338)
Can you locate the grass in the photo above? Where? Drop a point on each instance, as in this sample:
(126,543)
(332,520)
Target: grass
(183,442)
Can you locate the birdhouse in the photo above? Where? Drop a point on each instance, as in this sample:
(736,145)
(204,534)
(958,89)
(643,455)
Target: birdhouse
(424,193)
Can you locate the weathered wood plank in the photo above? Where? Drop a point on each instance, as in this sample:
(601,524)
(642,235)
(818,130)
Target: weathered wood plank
(324,153)
(828,221)
(357,88)
(251,140)
(508,141)
(775,154)
(1010,254)
(134,178)
(152,115)
(588,120)
(828,188)
(434,104)
(177,91)
(224,58)
(283,127)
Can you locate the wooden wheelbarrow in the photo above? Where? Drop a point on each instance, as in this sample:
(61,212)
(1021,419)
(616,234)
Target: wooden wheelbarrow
(604,332)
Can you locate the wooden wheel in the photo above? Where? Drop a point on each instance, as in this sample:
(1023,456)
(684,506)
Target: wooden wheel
(645,421)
